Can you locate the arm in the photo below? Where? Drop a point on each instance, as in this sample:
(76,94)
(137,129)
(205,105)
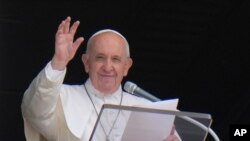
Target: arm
(40,99)
(39,105)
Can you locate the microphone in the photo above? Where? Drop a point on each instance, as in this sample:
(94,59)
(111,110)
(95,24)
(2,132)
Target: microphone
(135,90)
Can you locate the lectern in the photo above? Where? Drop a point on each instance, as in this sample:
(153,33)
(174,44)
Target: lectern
(126,123)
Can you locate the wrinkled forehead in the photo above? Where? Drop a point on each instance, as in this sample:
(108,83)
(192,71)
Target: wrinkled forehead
(99,35)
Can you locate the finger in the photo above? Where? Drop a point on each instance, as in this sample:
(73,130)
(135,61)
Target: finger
(60,28)
(74,27)
(172,138)
(77,43)
(66,25)
(172,130)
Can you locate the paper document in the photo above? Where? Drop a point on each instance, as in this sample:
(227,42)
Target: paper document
(147,126)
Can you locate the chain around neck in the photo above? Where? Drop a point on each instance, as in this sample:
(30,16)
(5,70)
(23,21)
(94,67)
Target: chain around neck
(106,134)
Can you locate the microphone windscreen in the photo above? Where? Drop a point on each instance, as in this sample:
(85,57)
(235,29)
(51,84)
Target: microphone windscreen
(129,87)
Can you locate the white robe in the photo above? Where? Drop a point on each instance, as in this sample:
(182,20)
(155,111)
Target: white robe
(53,111)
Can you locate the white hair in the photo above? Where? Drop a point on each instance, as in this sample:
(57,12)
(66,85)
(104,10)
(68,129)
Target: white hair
(112,31)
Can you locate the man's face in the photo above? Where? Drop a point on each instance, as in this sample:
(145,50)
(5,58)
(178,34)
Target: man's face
(107,62)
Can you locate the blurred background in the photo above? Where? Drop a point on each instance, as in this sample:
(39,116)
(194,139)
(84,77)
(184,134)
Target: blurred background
(197,51)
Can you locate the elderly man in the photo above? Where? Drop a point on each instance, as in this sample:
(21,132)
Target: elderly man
(58,112)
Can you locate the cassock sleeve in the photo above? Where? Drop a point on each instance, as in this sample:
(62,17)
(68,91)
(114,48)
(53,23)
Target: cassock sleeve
(40,100)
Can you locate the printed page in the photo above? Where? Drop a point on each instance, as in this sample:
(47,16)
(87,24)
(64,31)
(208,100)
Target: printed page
(144,126)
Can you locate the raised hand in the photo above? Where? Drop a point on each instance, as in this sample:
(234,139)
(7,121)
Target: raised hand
(65,46)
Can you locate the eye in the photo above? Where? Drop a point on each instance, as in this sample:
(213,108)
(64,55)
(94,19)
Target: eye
(99,58)
(116,59)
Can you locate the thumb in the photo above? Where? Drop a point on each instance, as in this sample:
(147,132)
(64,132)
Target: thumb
(172,130)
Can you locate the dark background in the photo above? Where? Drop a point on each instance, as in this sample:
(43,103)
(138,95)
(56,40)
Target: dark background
(195,50)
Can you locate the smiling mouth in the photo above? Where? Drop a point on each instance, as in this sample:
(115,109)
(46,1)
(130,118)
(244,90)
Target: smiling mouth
(107,75)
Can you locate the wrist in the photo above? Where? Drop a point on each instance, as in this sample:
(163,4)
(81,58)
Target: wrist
(58,64)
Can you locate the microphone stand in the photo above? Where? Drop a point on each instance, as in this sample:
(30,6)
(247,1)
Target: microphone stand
(203,127)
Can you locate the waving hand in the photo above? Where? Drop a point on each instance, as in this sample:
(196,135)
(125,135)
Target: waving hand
(65,46)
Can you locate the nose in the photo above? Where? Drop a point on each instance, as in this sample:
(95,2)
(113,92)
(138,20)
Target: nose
(108,66)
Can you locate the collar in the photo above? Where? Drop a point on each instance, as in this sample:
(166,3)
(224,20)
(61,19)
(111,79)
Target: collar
(97,93)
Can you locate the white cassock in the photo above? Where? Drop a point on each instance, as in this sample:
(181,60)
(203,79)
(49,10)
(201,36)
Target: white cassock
(53,111)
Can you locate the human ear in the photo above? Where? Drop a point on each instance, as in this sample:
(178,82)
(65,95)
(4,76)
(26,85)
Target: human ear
(128,65)
(85,61)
